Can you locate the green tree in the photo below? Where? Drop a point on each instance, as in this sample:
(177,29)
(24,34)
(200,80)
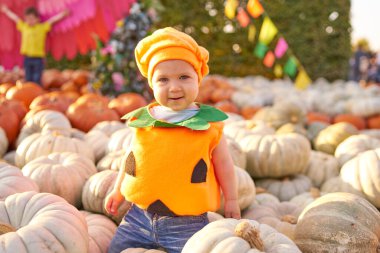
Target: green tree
(318,34)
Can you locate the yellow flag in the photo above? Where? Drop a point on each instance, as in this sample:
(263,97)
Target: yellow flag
(277,70)
(251,33)
(230,8)
(268,31)
(302,80)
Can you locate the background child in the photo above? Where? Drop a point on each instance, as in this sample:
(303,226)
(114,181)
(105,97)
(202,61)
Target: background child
(179,157)
(33,39)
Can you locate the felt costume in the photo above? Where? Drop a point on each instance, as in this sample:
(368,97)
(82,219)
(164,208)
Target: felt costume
(169,170)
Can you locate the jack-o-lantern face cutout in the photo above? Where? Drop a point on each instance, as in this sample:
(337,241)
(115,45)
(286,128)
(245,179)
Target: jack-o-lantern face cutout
(199,175)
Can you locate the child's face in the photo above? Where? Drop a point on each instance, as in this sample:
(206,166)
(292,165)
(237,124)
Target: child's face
(32,19)
(175,84)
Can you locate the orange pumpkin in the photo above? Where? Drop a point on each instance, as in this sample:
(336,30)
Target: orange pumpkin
(55,101)
(5,87)
(24,92)
(70,86)
(221,95)
(249,111)
(84,116)
(317,116)
(16,106)
(80,77)
(9,122)
(374,122)
(227,106)
(127,102)
(357,121)
(92,98)
(52,78)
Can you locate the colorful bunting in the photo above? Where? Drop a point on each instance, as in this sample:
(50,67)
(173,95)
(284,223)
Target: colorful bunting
(281,48)
(290,67)
(277,71)
(268,31)
(251,33)
(260,50)
(269,59)
(255,8)
(303,80)
(243,18)
(230,8)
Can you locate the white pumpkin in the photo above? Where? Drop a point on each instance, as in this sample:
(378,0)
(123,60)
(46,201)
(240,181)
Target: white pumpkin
(45,121)
(354,145)
(13,181)
(111,161)
(100,230)
(321,167)
(121,139)
(243,236)
(276,155)
(286,188)
(98,140)
(3,142)
(109,127)
(38,144)
(41,222)
(95,191)
(63,174)
(246,190)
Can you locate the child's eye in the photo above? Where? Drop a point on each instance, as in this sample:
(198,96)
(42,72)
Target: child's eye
(163,80)
(184,77)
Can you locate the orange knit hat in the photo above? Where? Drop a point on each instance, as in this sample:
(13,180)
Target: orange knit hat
(170,44)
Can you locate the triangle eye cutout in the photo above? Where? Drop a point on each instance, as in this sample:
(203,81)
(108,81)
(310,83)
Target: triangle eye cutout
(200,172)
(130,165)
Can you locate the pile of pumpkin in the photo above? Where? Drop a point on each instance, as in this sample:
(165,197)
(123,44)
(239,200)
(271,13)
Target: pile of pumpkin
(305,184)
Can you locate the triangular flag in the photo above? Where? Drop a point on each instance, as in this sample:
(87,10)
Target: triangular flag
(255,8)
(281,48)
(269,59)
(243,18)
(251,33)
(260,50)
(268,31)
(303,80)
(230,8)
(290,67)
(277,71)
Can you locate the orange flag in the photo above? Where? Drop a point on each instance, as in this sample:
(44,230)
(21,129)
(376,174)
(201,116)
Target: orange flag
(269,59)
(242,17)
(255,8)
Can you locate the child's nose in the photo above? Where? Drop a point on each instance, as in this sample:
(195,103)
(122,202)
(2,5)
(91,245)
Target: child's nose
(175,86)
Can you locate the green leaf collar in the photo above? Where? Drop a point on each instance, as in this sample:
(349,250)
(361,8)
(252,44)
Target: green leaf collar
(200,121)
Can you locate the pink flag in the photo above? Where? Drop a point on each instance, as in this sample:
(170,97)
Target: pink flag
(281,48)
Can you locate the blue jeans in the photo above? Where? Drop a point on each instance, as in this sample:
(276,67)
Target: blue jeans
(140,229)
(33,69)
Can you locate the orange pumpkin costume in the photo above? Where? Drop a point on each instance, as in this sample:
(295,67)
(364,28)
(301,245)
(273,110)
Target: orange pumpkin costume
(169,170)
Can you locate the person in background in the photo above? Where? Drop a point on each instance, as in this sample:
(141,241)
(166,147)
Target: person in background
(33,39)
(179,159)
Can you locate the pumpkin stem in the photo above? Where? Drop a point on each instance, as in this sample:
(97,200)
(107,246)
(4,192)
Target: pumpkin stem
(289,219)
(249,233)
(315,193)
(6,228)
(260,190)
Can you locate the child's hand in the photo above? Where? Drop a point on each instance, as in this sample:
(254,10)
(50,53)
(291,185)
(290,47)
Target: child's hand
(232,209)
(113,201)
